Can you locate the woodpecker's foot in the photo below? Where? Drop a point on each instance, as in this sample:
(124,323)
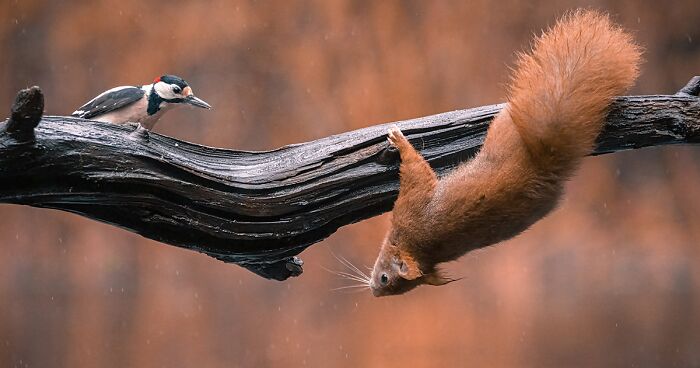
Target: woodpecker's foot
(140,132)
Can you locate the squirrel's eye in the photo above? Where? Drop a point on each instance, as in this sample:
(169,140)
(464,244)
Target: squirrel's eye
(384,279)
(177,89)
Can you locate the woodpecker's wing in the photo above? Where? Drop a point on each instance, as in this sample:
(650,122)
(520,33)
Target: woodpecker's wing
(110,100)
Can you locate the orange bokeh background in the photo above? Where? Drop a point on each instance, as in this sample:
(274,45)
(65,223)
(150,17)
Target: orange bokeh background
(612,278)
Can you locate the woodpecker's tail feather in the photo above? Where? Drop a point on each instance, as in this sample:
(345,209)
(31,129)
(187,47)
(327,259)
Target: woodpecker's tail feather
(561,91)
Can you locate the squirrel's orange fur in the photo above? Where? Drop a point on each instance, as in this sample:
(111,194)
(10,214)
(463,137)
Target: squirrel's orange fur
(559,96)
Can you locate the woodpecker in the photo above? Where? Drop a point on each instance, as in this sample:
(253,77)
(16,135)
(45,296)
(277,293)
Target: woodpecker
(144,105)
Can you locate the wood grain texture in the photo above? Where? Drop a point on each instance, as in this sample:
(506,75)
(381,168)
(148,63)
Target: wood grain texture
(261,209)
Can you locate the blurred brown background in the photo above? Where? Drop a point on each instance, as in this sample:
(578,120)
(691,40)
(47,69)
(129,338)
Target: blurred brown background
(610,279)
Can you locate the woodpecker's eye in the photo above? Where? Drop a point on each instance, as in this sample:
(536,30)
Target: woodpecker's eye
(384,279)
(177,89)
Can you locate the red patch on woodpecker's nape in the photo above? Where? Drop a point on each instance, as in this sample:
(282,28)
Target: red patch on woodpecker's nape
(156,80)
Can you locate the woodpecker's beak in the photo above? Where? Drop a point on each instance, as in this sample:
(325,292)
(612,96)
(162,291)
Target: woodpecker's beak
(194,101)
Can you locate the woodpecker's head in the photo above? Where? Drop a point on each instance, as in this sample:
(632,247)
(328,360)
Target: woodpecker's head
(173,90)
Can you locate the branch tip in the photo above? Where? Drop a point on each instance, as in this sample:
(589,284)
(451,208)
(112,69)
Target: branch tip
(692,88)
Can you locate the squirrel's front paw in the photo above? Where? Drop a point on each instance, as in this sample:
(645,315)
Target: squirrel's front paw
(395,137)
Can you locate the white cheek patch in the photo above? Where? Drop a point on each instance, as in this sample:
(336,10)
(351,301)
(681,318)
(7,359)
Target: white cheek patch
(165,90)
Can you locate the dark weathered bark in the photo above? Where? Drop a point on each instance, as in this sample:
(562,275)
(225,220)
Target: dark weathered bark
(25,114)
(260,209)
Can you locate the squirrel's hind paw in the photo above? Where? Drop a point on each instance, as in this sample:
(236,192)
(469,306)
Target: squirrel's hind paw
(395,137)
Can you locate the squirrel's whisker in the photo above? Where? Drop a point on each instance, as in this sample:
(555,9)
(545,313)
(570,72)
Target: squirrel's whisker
(359,272)
(347,276)
(350,266)
(350,287)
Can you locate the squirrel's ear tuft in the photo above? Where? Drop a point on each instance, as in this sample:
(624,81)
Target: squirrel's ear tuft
(408,267)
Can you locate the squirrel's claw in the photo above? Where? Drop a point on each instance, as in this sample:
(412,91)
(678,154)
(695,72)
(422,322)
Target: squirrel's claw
(395,137)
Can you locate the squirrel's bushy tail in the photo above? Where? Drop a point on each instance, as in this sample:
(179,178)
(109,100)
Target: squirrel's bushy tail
(561,91)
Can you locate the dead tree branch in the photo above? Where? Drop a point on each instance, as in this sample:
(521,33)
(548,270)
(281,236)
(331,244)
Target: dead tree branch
(260,209)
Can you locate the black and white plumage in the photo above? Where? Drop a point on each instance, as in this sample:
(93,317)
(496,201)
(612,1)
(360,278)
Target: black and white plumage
(144,105)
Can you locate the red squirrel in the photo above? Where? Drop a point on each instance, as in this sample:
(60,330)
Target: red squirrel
(559,96)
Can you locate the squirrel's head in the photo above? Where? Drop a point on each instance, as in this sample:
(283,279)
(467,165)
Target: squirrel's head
(396,272)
